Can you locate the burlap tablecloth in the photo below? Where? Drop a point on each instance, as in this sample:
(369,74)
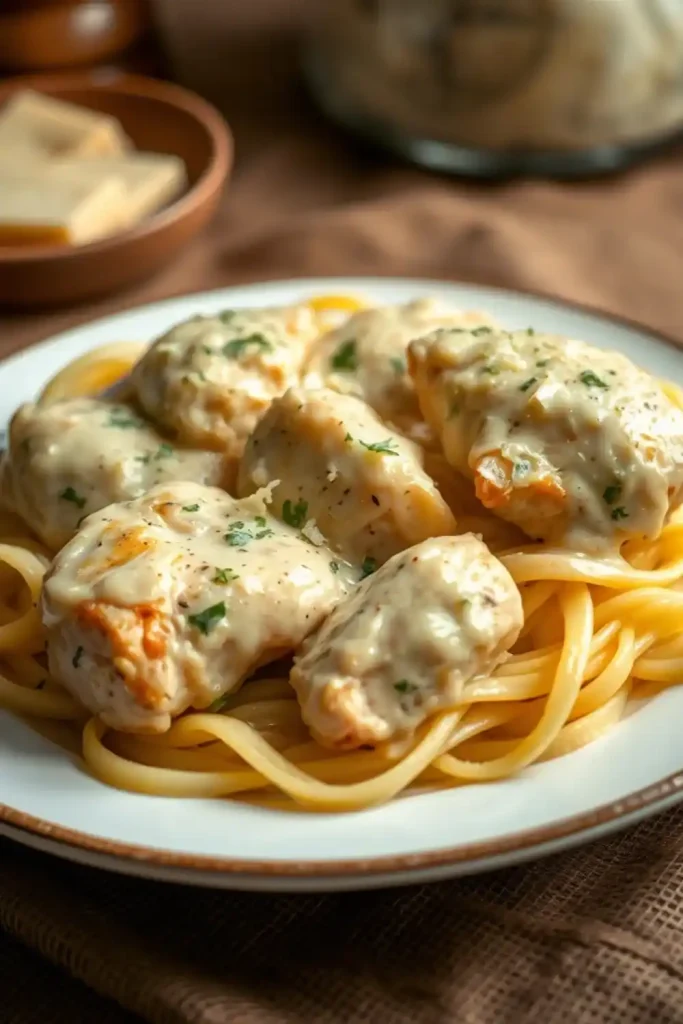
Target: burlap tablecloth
(591,937)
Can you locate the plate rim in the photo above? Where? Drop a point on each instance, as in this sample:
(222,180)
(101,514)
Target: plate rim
(605,818)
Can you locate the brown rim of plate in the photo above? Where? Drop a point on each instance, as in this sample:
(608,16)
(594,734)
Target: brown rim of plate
(132,85)
(607,814)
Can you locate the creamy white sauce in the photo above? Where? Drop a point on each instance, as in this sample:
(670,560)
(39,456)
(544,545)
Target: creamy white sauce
(72,458)
(172,600)
(404,643)
(367,357)
(211,378)
(574,444)
(334,462)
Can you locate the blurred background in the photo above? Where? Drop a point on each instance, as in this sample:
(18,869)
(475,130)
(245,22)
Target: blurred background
(523,143)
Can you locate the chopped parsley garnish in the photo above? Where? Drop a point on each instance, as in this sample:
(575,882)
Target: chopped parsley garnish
(542,362)
(334,567)
(295,515)
(260,521)
(123,420)
(528,384)
(238,536)
(490,369)
(210,617)
(164,451)
(143,458)
(227,316)
(348,437)
(387,447)
(530,331)
(591,380)
(346,357)
(76,660)
(224,576)
(233,349)
(612,494)
(481,330)
(619,513)
(399,365)
(69,494)
(191,508)
(368,567)
(404,686)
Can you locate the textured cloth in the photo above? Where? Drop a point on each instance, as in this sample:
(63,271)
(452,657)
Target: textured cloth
(590,937)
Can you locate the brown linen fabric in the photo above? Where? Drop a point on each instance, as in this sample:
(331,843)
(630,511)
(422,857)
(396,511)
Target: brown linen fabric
(589,937)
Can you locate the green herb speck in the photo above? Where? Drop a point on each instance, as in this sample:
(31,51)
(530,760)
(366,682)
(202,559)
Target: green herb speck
(404,686)
(123,420)
(368,567)
(346,357)
(69,494)
(224,576)
(295,515)
(398,365)
(387,447)
(238,538)
(619,513)
(76,660)
(233,349)
(612,494)
(191,508)
(164,451)
(591,380)
(334,567)
(210,617)
(528,384)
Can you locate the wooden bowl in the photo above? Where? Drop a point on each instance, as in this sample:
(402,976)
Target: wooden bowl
(158,117)
(41,36)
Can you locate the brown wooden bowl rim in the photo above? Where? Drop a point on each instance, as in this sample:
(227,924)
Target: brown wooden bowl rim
(210,180)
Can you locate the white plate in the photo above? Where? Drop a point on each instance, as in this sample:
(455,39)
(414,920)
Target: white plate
(47,801)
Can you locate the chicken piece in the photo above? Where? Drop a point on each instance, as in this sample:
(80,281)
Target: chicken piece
(337,470)
(366,357)
(73,457)
(172,600)
(210,379)
(574,444)
(405,642)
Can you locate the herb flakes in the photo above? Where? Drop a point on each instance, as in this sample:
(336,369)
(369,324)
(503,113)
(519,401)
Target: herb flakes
(206,620)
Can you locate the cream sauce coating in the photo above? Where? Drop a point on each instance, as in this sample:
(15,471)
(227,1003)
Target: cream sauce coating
(405,642)
(172,600)
(72,458)
(367,357)
(574,444)
(335,466)
(210,379)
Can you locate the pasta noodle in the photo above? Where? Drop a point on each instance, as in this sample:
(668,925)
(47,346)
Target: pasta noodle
(597,634)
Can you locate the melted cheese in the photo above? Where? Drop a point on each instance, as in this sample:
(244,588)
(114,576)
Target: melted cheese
(210,379)
(72,458)
(367,357)
(574,444)
(334,463)
(405,642)
(171,600)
